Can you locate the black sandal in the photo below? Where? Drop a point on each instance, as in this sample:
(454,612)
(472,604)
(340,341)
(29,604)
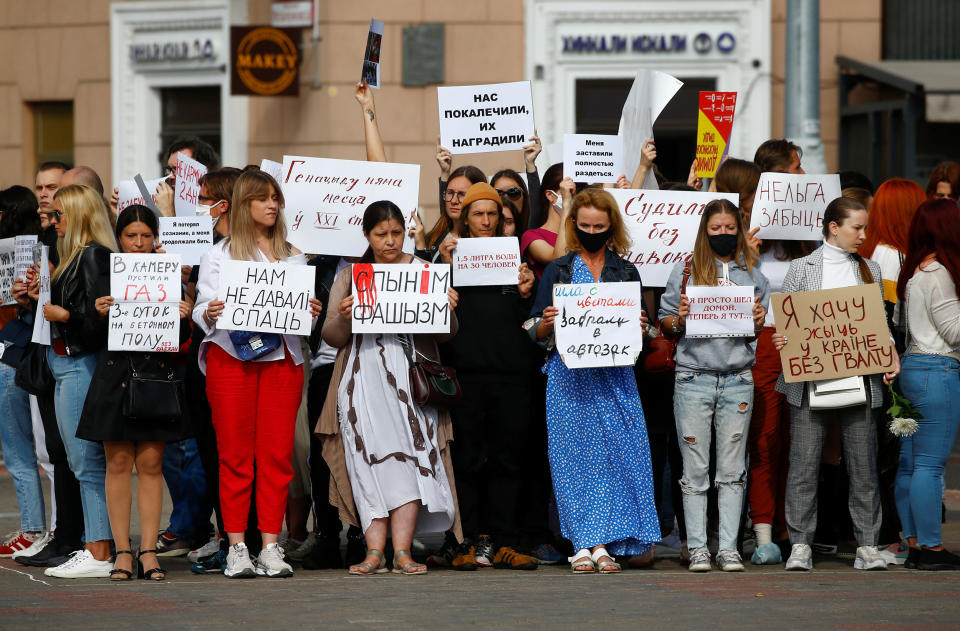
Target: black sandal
(125,575)
(154,574)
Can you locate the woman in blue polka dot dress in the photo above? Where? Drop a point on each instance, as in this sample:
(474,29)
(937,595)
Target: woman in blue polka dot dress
(599,455)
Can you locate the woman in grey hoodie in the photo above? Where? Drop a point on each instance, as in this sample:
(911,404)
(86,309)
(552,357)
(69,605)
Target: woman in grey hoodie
(714,383)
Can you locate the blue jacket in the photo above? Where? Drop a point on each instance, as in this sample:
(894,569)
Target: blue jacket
(560,271)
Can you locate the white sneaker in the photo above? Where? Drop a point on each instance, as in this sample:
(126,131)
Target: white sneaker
(869,558)
(801,557)
(700,560)
(270,563)
(238,562)
(205,551)
(81,564)
(306,547)
(35,547)
(729,561)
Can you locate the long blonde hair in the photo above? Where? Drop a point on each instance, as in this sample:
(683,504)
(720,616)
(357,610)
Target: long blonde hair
(251,185)
(87,221)
(704,270)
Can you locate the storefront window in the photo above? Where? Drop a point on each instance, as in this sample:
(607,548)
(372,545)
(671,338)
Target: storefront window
(53,131)
(600,102)
(192,111)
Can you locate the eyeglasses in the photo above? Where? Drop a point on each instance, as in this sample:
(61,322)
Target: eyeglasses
(449,195)
(513,193)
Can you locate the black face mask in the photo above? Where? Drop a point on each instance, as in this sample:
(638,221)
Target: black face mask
(723,244)
(593,241)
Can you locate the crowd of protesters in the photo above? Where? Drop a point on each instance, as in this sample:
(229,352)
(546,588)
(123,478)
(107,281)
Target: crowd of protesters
(536,463)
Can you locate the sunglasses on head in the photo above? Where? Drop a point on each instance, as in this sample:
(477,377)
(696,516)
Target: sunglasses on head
(513,193)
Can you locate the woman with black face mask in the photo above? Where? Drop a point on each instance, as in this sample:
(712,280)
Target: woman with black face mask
(714,384)
(597,437)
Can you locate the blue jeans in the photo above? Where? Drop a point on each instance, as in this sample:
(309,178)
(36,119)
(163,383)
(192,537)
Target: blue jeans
(86,458)
(702,402)
(932,383)
(19,451)
(185,477)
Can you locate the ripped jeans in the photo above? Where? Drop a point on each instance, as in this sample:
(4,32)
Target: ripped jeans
(704,401)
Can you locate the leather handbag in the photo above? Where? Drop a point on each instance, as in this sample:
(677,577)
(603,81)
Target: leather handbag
(659,354)
(152,395)
(251,344)
(33,373)
(431,383)
(831,394)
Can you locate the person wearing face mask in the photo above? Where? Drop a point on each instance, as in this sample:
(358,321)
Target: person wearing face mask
(597,437)
(833,265)
(713,388)
(128,441)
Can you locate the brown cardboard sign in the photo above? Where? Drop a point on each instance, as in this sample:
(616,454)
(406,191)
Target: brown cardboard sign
(264,61)
(833,333)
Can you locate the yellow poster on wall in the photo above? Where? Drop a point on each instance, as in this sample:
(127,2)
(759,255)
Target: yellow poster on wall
(714,122)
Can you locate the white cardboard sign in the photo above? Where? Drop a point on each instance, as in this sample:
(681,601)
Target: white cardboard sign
(23,254)
(145,315)
(592,158)
(128,193)
(649,95)
(400,298)
(189,172)
(663,227)
(484,118)
(7,268)
(325,200)
(486,261)
(791,206)
(274,169)
(725,311)
(41,326)
(598,324)
(266,297)
(190,237)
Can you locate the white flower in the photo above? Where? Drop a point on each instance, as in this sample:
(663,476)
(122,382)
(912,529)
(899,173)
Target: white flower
(903,427)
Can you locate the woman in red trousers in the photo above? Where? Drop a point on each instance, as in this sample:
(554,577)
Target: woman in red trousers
(254,382)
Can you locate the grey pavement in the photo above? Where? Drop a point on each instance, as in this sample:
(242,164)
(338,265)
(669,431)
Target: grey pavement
(833,596)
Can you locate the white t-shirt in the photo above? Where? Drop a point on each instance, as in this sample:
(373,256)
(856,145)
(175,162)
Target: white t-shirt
(775,270)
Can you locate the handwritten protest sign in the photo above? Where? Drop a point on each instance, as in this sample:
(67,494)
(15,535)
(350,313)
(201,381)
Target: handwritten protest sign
(325,200)
(791,206)
(663,227)
(649,95)
(371,56)
(714,123)
(7,268)
(190,237)
(598,324)
(486,261)
(145,315)
(189,172)
(592,158)
(41,326)
(266,297)
(23,254)
(484,118)
(274,169)
(400,298)
(833,333)
(128,193)
(720,311)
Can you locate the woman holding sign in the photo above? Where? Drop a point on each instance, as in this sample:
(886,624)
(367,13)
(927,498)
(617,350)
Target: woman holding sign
(714,384)
(79,334)
(128,441)
(597,439)
(389,458)
(254,381)
(833,265)
(931,378)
